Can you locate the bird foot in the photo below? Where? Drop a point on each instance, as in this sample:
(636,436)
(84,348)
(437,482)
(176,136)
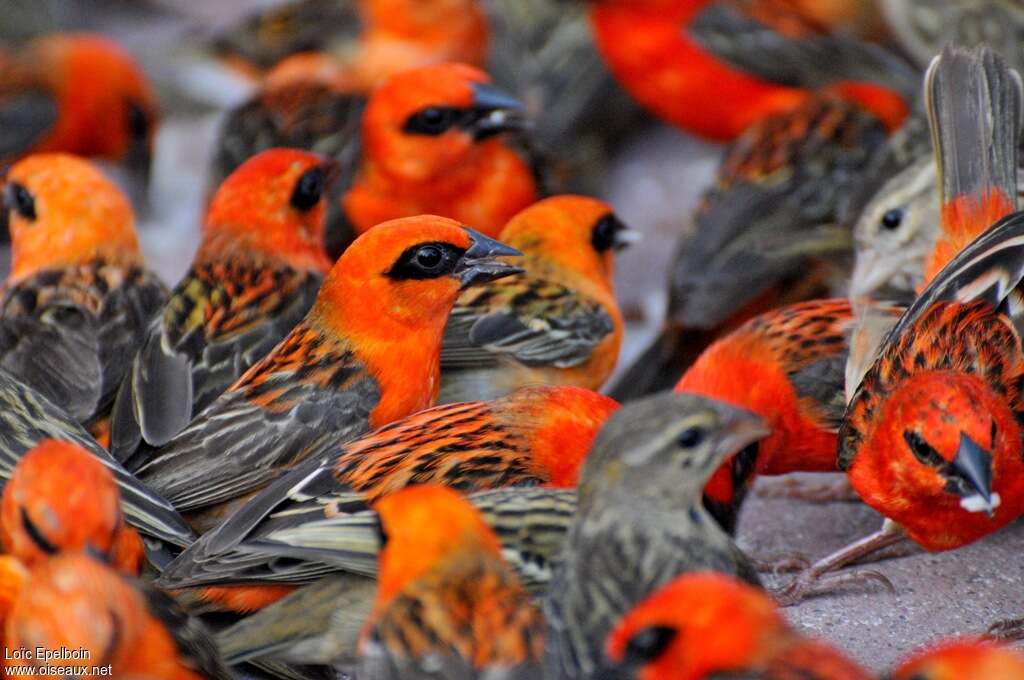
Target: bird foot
(837,491)
(780,563)
(1010,630)
(809,583)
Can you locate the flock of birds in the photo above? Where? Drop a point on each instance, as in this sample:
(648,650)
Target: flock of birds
(363,433)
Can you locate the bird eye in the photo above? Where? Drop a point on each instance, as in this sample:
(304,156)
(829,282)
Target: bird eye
(892,219)
(137,121)
(309,188)
(923,451)
(648,644)
(605,232)
(691,437)
(20,200)
(434,120)
(426,261)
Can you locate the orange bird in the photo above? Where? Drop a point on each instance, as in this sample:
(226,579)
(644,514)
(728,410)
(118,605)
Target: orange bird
(534,436)
(60,498)
(555,324)
(74,602)
(931,437)
(447,604)
(430,144)
(787,366)
(79,93)
(958,659)
(367,353)
(650,50)
(703,626)
(256,274)
(78,298)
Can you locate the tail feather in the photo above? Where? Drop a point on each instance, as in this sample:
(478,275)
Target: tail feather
(974,105)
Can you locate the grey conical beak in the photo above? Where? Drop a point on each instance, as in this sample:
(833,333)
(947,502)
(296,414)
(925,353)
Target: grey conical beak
(495,111)
(973,464)
(479,263)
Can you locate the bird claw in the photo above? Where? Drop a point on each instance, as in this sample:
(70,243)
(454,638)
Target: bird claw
(1010,630)
(808,583)
(780,563)
(837,491)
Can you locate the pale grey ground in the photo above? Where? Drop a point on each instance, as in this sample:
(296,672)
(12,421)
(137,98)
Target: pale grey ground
(654,186)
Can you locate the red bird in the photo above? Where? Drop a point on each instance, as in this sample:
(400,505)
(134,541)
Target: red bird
(555,324)
(367,353)
(79,93)
(256,274)
(79,298)
(74,602)
(931,437)
(447,604)
(430,145)
(787,366)
(60,498)
(648,47)
(533,436)
(704,626)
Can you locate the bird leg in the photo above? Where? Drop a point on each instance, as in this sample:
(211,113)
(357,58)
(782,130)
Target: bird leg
(778,563)
(811,581)
(837,491)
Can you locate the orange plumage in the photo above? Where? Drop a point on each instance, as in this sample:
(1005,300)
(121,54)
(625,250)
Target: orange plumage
(964,218)
(367,353)
(87,95)
(76,602)
(445,596)
(787,366)
(961,659)
(255,275)
(428,147)
(60,498)
(646,45)
(555,324)
(703,626)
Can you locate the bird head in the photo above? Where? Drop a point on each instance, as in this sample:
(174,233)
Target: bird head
(424,124)
(423,527)
(697,626)
(407,273)
(272,204)
(60,498)
(665,448)
(62,211)
(895,232)
(577,232)
(950,434)
(107,99)
(73,601)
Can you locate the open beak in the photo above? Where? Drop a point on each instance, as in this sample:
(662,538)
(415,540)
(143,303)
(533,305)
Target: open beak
(478,264)
(495,112)
(973,466)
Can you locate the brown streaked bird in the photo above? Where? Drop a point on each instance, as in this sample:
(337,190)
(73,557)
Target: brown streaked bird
(367,353)
(255,275)
(447,605)
(79,297)
(557,323)
(640,522)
